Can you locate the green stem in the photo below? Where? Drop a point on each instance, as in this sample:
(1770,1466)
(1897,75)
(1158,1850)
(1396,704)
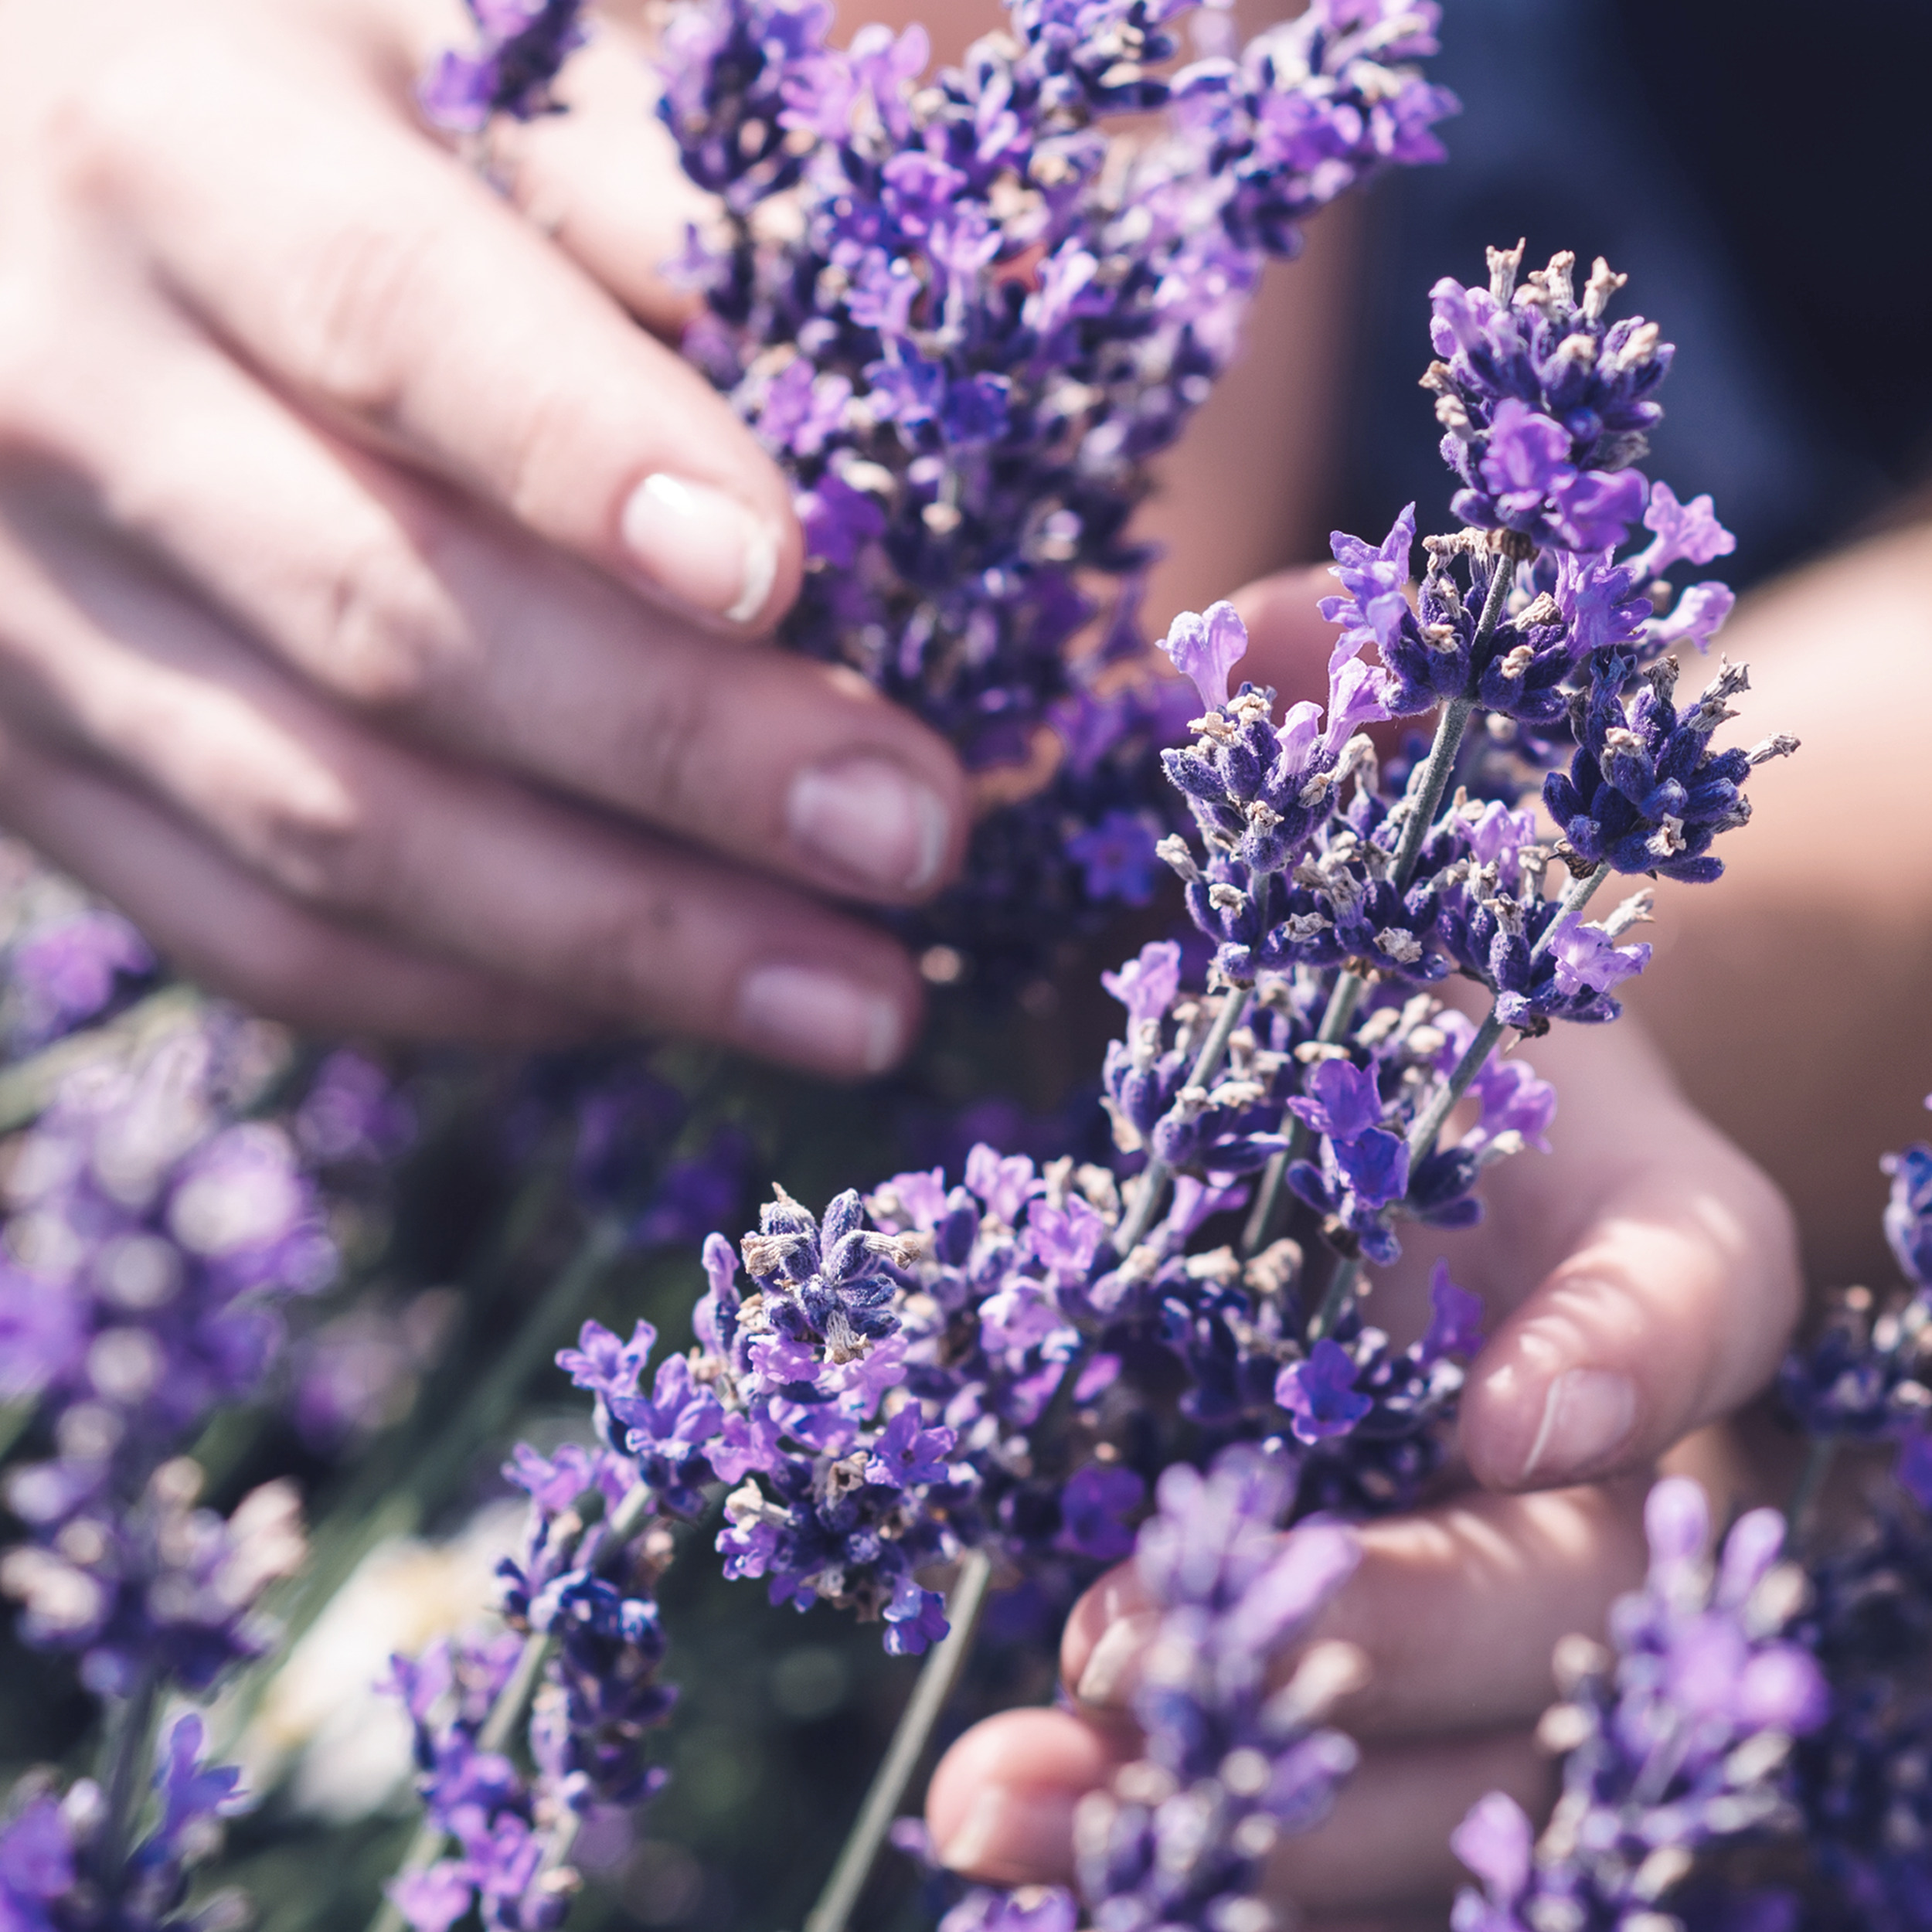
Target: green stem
(1810,1480)
(129,1756)
(1426,787)
(922,1712)
(1154,1176)
(16,1418)
(1335,1303)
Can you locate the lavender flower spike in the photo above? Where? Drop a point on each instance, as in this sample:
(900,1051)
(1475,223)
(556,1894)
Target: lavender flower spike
(1179,1838)
(523,47)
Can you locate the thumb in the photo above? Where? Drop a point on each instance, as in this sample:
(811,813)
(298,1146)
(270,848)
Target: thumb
(1288,639)
(1672,1305)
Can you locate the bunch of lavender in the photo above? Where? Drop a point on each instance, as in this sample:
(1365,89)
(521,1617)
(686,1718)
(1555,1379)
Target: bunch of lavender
(995,1370)
(1677,1738)
(152,1236)
(159,1224)
(1867,1375)
(1229,1767)
(963,322)
(574,1675)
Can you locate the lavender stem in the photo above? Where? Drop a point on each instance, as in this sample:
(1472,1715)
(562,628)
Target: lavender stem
(129,1749)
(1154,1176)
(1344,998)
(1810,1480)
(922,1712)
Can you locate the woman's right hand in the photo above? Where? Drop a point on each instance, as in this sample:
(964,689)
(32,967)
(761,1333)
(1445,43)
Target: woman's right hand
(378,601)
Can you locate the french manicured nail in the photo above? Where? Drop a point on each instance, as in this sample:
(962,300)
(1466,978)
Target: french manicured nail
(1013,1836)
(1588,1415)
(1113,1667)
(868,818)
(808,1013)
(704,548)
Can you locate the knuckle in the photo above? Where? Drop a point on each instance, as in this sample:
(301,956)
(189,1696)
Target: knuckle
(322,847)
(385,636)
(669,750)
(359,277)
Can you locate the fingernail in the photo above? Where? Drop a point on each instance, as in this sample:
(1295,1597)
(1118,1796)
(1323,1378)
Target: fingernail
(704,547)
(1588,1414)
(807,1013)
(868,817)
(1114,1666)
(1013,1836)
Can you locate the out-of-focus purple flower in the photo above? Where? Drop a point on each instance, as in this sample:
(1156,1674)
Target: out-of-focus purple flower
(1677,1739)
(1095,1506)
(165,1235)
(69,971)
(1119,857)
(523,45)
(1178,1838)
(1148,985)
(1908,1214)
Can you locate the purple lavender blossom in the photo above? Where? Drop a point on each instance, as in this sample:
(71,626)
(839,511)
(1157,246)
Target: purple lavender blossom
(1179,1837)
(1678,1740)
(961,381)
(523,45)
(69,971)
(165,1236)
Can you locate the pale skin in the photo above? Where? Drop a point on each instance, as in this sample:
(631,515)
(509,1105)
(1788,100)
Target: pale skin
(347,643)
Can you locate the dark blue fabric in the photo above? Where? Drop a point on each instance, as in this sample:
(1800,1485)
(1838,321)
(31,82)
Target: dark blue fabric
(1762,172)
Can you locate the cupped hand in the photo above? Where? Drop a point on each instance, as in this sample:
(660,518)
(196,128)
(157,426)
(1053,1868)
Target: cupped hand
(378,601)
(1640,1281)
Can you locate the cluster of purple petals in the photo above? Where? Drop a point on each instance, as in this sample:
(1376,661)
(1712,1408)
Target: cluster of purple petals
(1678,1738)
(1229,1767)
(1545,404)
(520,49)
(965,335)
(881,1395)
(68,972)
(51,1853)
(584,1585)
(151,1240)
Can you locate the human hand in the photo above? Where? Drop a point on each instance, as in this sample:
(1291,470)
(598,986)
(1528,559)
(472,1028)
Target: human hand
(1640,1281)
(376,599)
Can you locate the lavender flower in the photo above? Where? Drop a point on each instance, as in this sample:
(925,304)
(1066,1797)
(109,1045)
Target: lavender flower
(1179,1837)
(1867,1375)
(1678,1740)
(69,971)
(523,46)
(60,1873)
(973,336)
(153,1240)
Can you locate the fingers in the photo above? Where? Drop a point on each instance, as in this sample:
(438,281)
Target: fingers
(390,593)
(1002,1802)
(433,855)
(228,932)
(1675,1293)
(367,273)
(1425,1605)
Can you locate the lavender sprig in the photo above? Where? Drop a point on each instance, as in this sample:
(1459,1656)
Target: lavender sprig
(1677,1739)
